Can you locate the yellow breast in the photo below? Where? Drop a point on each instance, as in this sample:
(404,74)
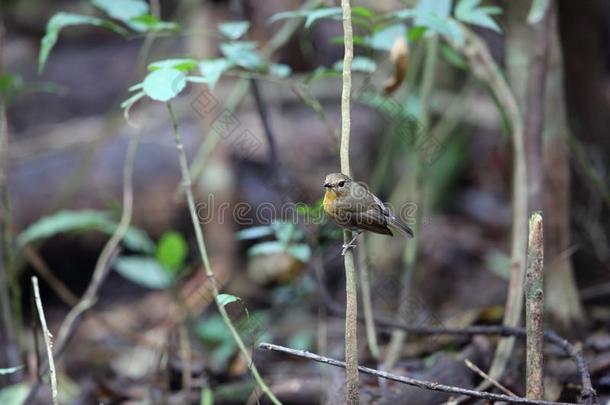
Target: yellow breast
(329,199)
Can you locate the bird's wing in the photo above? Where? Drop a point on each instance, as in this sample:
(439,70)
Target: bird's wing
(391,218)
(371,220)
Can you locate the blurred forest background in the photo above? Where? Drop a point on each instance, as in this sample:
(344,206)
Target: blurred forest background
(466,117)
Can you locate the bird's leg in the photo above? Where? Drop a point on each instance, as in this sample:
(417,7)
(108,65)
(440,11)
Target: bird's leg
(350,244)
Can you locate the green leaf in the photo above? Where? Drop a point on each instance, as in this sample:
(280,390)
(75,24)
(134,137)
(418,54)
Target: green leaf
(213,330)
(226,299)
(322,72)
(181,64)
(359,64)
(122,9)
(197,79)
(10,370)
(416,33)
(362,11)
(537,11)
(213,69)
(311,16)
(150,23)
(14,394)
(171,251)
(301,340)
(144,271)
(70,221)
(453,57)
(242,54)
(62,20)
(300,251)
(384,39)
(255,232)
(164,84)
(280,70)
(10,86)
(315,15)
(469,12)
(440,8)
(234,29)
(266,248)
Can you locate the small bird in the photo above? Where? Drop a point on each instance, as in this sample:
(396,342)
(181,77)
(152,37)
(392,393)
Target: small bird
(352,206)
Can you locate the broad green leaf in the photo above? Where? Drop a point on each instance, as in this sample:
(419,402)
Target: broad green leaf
(123,10)
(213,330)
(537,11)
(10,370)
(416,33)
(359,64)
(144,271)
(285,232)
(322,72)
(280,70)
(171,251)
(242,54)
(164,84)
(300,251)
(14,394)
(62,20)
(440,8)
(384,39)
(10,86)
(181,64)
(469,12)
(226,299)
(150,23)
(266,248)
(70,221)
(234,29)
(212,69)
(255,232)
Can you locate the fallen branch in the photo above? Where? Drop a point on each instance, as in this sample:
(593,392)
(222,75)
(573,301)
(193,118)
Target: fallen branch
(428,385)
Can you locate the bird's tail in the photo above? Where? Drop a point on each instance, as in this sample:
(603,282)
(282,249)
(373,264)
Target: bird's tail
(402,227)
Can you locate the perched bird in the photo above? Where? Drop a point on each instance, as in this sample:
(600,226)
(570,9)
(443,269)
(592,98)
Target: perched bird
(352,206)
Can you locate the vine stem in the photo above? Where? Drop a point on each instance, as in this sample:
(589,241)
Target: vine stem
(351,304)
(190,199)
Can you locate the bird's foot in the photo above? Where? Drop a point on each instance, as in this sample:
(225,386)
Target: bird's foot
(346,246)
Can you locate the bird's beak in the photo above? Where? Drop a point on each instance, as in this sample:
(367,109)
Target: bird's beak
(327,185)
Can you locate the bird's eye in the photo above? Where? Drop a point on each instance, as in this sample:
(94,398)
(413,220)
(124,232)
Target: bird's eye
(341,184)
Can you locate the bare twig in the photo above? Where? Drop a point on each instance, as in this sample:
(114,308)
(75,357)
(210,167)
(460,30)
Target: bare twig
(47,340)
(485,376)
(190,199)
(534,309)
(587,393)
(433,386)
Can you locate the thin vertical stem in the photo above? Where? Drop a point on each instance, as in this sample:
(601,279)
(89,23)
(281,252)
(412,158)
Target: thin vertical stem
(534,309)
(367,301)
(190,199)
(47,339)
(351,304)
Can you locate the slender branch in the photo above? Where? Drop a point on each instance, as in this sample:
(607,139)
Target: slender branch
(47,339)
(433,386)
(367,301)
(351,304)
(485,69)
(534,309)
(587,393)
(485,376)
(187,185)
(104,261)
